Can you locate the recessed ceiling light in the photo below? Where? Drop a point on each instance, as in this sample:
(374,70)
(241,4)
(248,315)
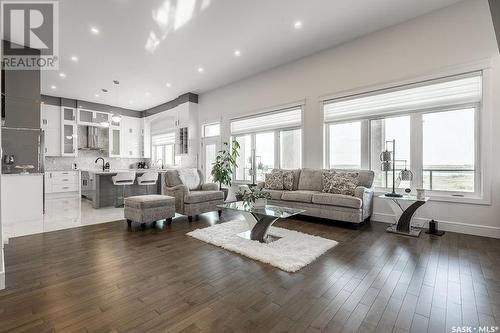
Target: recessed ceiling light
(237,53)
(97,95)
(201,69)
(297,25)
(168,84)
(53,87)
(74,58)
(62,75)
(104,90)
(94,30)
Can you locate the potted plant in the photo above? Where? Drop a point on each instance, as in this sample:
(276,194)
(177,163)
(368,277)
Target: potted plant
(225,163)
(256,197)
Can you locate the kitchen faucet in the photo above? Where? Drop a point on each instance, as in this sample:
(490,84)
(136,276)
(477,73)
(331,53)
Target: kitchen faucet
(100,158)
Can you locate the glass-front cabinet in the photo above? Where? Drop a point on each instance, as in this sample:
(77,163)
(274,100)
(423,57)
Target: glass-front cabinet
(68,133)
(92,118)
(115,141)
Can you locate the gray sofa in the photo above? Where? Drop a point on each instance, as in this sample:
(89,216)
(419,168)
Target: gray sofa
(307,194)
(192,195)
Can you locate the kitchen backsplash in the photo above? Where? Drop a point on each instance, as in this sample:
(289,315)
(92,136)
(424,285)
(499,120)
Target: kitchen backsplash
(86,161)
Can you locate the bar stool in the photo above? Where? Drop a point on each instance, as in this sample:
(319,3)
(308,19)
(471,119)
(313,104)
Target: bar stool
(123,179)
(148,178)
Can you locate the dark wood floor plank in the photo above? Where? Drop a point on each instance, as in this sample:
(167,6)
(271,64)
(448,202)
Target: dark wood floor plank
(104,278)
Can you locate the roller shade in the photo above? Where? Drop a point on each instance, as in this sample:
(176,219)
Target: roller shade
(163,139)
(465,89)
(269,121)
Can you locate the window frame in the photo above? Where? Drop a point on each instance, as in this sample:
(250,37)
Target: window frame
(203,126)
(164,148)
(277,147)
(481,188)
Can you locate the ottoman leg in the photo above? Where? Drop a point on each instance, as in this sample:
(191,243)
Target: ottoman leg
(154,224)
(220,213)
(143,226)
(129,223)
(190,218)
(169,221)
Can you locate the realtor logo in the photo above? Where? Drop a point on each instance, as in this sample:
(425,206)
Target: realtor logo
(30,34)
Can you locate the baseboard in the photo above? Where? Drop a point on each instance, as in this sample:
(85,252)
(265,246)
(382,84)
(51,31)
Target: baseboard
(458,227)
(2,280)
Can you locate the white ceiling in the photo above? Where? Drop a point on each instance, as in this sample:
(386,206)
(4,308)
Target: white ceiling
(188,34)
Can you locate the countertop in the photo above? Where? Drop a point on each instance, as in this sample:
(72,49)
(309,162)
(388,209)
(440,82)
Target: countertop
(23,174)
(114,171)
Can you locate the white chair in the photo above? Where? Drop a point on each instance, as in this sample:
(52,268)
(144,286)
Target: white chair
(123,179)
(148,178)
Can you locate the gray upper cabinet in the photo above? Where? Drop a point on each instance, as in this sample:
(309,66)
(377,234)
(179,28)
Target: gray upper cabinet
(21,98)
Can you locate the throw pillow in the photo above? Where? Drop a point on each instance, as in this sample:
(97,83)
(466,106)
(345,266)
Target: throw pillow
(288,180)
(274,180)
(340,182)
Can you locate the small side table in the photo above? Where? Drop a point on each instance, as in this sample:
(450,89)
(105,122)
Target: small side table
(404,215)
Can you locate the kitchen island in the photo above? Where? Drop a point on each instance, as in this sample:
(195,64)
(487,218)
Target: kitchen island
(98,187)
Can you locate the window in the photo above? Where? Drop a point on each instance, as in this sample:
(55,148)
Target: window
(449,150)
(382,131)
(344,145)
(268,141)
(264,153)
(244,161)
(210,130)
(291,149)
(163,149)
(434,124)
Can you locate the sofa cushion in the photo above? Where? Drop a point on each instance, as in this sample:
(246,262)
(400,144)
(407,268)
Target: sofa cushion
(274,180)
(203,196)
(311,180)
(340,182)
(296,177)
(275,194)
(149,201)
(172,178)
(365,177)
(190,177)
(337,200)
(288,180)
(300,195)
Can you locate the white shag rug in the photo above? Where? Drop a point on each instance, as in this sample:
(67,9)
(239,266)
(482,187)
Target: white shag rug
(289,253)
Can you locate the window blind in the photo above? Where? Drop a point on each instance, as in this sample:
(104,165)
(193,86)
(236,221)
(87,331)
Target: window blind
(269,121)
(465,89)
(163,139)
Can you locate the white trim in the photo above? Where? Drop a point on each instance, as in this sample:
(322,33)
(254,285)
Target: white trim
(2,280)
(453,70)
(458,227)
(277,108)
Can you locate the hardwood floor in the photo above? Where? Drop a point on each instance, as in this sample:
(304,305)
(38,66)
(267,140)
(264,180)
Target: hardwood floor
(103,278)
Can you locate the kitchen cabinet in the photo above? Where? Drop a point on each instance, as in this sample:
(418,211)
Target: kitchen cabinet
(62,183)
(51,126)
(68,131)
(133,137)
(22,198)
(115,141)
(92,118)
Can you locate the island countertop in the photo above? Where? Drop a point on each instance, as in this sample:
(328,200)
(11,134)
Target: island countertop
(115,171)
(98,187)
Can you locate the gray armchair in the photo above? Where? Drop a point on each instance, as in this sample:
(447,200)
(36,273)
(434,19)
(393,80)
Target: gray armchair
(192,195)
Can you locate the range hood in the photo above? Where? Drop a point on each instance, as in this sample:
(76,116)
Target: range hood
(90,138)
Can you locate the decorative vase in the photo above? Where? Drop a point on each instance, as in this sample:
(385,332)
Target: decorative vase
(260,203)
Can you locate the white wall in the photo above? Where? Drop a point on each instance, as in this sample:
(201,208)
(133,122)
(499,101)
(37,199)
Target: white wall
(425,46)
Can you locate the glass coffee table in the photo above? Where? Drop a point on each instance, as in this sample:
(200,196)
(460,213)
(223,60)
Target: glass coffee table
(260,219)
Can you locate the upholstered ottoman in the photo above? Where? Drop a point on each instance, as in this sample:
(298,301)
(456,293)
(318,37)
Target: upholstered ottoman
(149,208)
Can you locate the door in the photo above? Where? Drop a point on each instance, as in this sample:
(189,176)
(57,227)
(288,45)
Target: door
(210,148)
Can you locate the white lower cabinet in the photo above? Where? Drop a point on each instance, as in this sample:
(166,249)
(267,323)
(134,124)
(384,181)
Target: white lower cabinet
(62,183)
